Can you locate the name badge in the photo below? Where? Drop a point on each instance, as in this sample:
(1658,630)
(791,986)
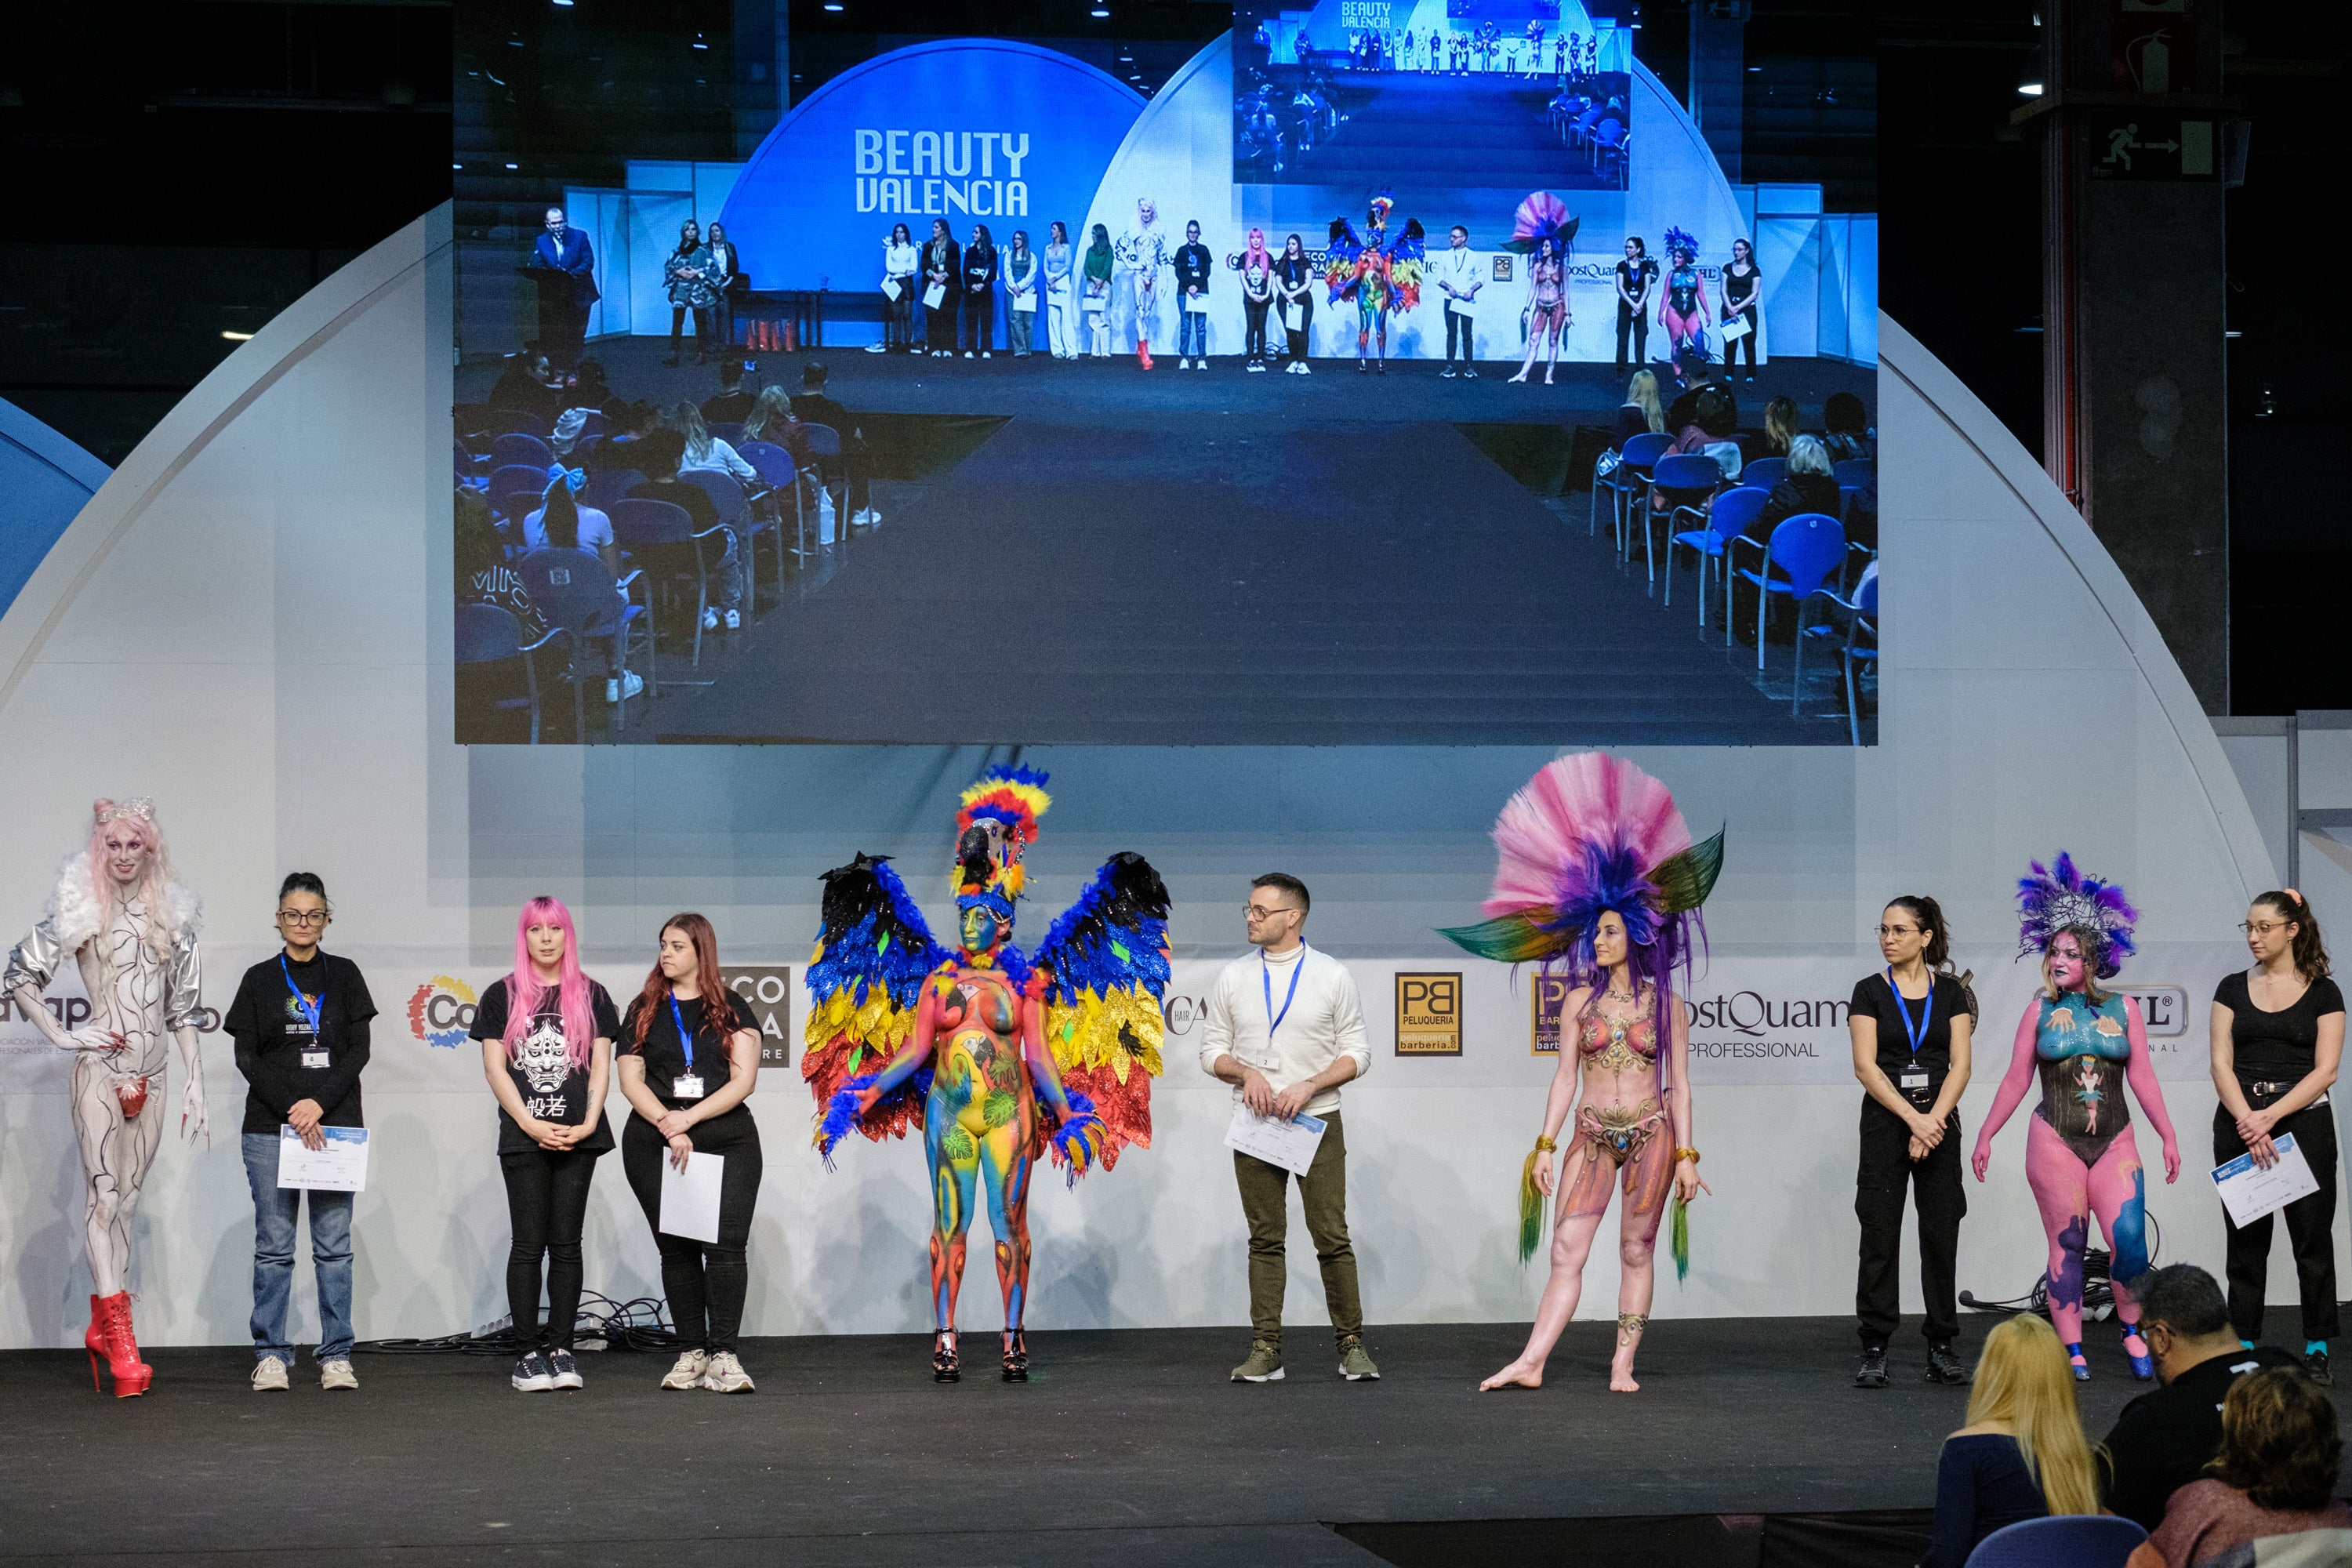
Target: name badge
(1916,1079)
(315,1057)
(686,1085)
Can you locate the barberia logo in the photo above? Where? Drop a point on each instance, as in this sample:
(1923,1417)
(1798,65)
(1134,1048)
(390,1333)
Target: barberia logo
(441,1012)
(1753,1014)
(935,173)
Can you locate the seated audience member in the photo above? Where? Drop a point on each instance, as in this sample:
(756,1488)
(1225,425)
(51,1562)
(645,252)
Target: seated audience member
(568,426)
(521,389)
(659,455)
(1848,424)
(2270,1494)
(815,408)
(734,404)
(1707,435)
(704,450)
(481,562)
(771,420)
(1806,485)
(2022,1454)
(627,424)
(1780,424)
(1640,413)
(1683,411)
(2164,1439)
(563,524)
(589,387)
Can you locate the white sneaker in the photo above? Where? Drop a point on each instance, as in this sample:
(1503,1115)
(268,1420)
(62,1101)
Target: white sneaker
(726,1375)
(1205,362)
(615,690)
(734,619)
(1305,369)
(984,353)
(334,1374)
(269,1375)
(1184,365)
(687,1372)
(710,617)
(862,518)
(967,353)
(878,348)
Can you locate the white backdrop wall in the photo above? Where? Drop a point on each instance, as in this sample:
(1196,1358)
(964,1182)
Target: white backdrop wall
(263,646)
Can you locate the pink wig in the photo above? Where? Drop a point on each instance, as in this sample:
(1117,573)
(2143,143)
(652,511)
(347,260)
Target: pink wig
(109,816)
(571,986)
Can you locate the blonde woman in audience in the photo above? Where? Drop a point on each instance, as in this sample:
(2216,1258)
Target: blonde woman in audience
(1780,424)
(1642,412)
(2022,1454)
(704,450)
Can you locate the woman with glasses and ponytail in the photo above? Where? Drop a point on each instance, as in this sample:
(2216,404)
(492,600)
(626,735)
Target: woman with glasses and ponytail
(689,1057)
(1911,1023)
(547,1034)
(2278,1037)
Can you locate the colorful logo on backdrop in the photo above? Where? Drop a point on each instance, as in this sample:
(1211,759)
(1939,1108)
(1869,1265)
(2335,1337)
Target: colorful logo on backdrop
(441,1012)
(968,129)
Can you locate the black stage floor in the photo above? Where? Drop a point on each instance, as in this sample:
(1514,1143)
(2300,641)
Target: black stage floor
(1129,1446)
(1088,553)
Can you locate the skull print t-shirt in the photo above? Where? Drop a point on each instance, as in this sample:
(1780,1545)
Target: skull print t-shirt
(552,1088)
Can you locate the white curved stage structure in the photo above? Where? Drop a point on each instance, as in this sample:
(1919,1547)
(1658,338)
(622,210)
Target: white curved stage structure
(260,643)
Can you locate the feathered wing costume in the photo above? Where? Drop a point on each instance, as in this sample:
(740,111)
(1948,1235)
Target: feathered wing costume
(1589,834)
(1367,268)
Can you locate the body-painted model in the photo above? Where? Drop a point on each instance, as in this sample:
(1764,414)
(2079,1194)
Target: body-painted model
(1544,232)
(116,914)
(2081,1157)
(1684,309)
(1143,256)
(997,1056)
(1601,883)
(1378,276)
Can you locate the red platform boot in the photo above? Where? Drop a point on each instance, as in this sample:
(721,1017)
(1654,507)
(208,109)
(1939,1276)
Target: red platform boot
(110,1335)
(94,1341)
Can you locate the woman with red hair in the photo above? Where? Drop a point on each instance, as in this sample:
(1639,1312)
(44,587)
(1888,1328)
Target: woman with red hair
(547,1032)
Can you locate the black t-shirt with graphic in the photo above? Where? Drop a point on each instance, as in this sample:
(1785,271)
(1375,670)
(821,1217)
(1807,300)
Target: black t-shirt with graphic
(281,1060)
(552,1088)
(666,1057)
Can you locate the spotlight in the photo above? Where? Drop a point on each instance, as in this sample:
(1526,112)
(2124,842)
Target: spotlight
(699,43)
(1099,11)
(514,165)
(564,4)
(832,5)
(457,165)
(238,337)
(2030,78)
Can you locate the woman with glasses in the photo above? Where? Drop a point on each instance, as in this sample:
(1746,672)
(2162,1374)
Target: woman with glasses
(1911,1024)
(300,1024)
(2278,1037)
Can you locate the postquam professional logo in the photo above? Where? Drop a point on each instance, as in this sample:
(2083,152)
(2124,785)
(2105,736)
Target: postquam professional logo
(1752,1018)
(441,1012)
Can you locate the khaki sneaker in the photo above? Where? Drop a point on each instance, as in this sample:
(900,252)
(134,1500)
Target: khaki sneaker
(1354,1364)
(1265,1363)
(337,1374)
(687,1371)
(269,1376)
(726,1375)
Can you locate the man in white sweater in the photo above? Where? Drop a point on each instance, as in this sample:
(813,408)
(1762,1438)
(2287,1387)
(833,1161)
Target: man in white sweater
(1286,1028)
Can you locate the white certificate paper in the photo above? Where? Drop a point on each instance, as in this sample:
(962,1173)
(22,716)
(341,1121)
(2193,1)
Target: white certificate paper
(2249,1192)
(690,1198)
(891,290)
(1026,302)
(1196,304)
(1290,1144)
(933,295)
(339,1167)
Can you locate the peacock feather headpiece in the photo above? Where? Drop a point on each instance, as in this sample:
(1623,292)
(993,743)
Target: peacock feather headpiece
(2059,897)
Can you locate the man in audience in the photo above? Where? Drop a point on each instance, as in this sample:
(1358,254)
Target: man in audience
(2163,1440)
(1683,411)
(658,455)
(734,404)
(812,406)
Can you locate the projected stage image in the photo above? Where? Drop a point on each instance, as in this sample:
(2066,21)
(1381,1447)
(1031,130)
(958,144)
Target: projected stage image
(1394,374)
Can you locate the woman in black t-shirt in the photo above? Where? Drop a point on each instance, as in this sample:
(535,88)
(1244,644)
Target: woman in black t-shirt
(548,1057)
(2278,1038)
(1911,1026)
(689,1057)
(300,1024)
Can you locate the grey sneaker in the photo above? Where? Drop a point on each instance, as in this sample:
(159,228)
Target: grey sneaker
(687,1372)
(564,1373)
(1265,1363)
(530,1374)
(726,1375)
(337,1373)
(1354,1364)
(269,1375)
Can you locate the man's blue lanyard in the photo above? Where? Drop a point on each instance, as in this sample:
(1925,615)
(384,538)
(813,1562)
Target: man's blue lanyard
(678,1016)
(1265,975)
(311,1009)
(1918,1032)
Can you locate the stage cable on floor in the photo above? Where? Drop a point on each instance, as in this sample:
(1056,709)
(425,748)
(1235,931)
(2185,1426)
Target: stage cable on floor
(2098,1284)
(642,1324)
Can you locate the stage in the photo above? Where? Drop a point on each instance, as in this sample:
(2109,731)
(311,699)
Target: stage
(1190,558)
(1127,1446)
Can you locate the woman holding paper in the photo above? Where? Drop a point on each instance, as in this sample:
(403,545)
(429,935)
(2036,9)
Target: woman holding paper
(1096,299)
(942,277)
(2278,1040)
(689,1057)
(547,1035)
(1061,295)
(300,1024)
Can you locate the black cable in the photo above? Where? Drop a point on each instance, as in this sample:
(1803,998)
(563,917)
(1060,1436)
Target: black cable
(642,1324)
(2098,1285)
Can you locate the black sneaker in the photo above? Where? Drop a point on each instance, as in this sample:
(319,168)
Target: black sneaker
(1946,1368)
(532,1375)
(1448,374)
(1873,1371)
(2316,1364)
(563,1372)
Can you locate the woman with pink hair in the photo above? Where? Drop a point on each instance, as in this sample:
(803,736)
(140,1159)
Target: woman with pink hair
(547,1032)
(119,916)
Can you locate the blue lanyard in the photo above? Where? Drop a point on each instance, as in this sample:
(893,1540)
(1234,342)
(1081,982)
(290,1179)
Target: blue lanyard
(310,1009)
(1918,1032)
(1266,976)
(678,1016)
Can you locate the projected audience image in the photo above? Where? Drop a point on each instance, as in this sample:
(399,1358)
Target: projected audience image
(1363,374)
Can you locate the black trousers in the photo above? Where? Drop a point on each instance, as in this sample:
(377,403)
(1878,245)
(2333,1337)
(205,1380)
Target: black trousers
(2310,1224)
(705,1281)
(939,326)
(1886,1168)
(1637,324)
(705,331)
(1254,336)
(1294,323)
(1731,346)
(1458,325)
(547,1206)
(979,321)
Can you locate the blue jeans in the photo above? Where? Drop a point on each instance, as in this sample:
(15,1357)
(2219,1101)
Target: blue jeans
(274,1211)
(1193,339)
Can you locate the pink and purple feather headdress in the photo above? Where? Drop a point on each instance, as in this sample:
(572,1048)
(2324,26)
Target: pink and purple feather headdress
(1542,216)
(2059,897)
